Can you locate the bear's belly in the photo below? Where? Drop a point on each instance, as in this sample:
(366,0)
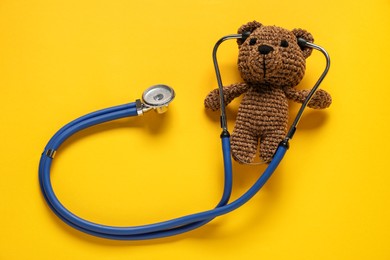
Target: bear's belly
(264,111)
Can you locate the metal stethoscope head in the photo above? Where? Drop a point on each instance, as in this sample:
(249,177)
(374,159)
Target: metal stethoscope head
(156,97)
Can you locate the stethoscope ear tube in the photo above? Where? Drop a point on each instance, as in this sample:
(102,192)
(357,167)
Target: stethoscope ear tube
(304,43)
(219,78)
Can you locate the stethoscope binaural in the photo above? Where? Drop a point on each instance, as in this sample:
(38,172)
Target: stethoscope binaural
(158,98)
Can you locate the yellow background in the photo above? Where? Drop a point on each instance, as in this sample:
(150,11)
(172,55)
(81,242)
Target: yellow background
(329,199)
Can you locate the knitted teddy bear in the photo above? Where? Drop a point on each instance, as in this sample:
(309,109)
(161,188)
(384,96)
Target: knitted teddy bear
(271,63)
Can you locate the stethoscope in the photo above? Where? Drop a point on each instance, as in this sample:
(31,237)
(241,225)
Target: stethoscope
(158,98)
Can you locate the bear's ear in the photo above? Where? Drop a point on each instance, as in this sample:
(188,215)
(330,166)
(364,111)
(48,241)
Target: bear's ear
(247,28)
(300,33)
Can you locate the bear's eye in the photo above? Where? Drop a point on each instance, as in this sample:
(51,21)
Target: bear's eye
(284,43)
(252,41)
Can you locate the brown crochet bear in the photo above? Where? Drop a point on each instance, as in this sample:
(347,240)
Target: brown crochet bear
(271,63)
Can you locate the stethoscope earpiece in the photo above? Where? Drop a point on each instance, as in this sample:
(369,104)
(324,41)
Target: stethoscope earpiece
(302,43)
(245,35)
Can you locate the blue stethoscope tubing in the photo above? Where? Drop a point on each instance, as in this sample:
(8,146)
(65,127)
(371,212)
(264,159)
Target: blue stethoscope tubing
(157,230)
(177,225)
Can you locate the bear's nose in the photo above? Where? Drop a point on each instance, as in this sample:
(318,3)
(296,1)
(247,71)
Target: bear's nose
(265,49)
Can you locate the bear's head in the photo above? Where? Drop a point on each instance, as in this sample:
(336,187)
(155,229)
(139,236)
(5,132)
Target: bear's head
(270,55)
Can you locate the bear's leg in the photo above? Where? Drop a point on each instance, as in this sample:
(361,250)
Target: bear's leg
(269,143)
(244,144)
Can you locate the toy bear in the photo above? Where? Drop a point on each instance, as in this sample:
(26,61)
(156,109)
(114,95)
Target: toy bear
(271,63)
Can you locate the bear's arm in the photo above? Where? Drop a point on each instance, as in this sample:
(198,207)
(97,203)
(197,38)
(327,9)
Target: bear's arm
(229,93)
(320,100)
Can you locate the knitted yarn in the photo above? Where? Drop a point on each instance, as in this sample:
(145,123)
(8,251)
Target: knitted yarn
(271,63)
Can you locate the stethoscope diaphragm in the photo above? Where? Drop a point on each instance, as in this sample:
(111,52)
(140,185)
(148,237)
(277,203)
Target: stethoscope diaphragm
(158,97)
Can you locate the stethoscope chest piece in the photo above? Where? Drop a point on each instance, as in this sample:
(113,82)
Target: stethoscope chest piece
(158,97)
